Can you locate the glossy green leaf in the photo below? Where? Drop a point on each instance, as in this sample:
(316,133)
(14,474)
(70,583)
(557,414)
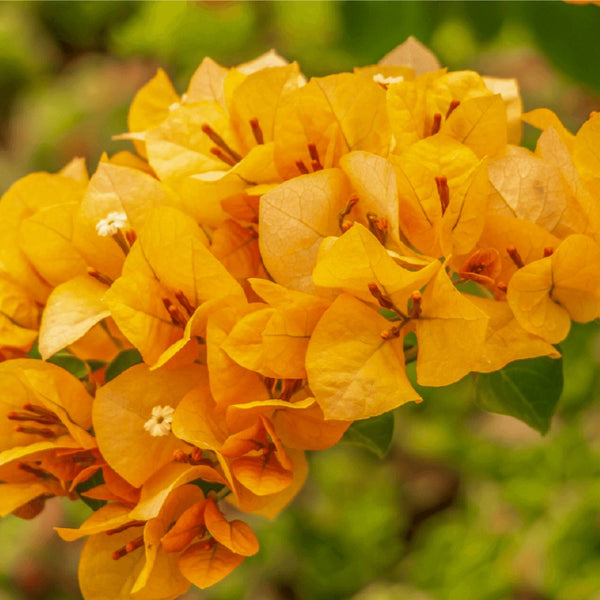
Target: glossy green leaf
(526,389)
(375,434)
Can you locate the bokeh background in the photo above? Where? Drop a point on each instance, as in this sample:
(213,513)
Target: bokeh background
(467,505)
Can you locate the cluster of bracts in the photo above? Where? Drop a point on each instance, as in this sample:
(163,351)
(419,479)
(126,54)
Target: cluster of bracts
(276,251)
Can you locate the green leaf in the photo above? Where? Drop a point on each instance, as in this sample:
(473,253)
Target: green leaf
(74,365)
(125,359)
(95,365)
(34,352)
(208,486)
(526,389)
(88,484)
(387,313)
(375,434)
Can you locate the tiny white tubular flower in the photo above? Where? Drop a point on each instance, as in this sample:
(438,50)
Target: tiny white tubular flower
(160,422)
(379,78)
(111,224)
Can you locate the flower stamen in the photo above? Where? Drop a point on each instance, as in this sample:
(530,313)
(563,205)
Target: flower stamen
(43,431)
(314,155)
(220,142)
(378,226)
(548,251)
(99,276)
(453,106)
(176,317)
(257,131)
(515,256)
(302,167)
(222,156)
(437,123)
(443,192)
(125,527)
(184,301)
(352,201)
(27,468)
(128,548)
(414,312)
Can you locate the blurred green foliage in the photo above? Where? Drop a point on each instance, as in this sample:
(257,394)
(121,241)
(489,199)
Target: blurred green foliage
(467,505)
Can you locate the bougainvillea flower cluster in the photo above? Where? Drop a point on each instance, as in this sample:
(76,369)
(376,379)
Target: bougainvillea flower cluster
(265,263)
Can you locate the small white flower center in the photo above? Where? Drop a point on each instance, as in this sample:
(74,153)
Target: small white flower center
(379,78)
(160,422)
(113,222)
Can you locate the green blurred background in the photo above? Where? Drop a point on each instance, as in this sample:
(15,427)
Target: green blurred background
(467,505)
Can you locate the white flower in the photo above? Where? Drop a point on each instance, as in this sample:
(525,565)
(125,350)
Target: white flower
(160,421)
(379,78)
(113,222)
